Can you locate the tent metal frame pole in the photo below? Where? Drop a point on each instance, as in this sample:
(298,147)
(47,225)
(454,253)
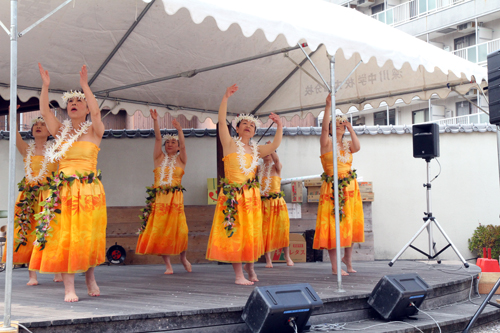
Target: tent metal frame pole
(193,72)
(120,43)
(330,88)
(335,179)
(25,31)
(12,168)
(282,82)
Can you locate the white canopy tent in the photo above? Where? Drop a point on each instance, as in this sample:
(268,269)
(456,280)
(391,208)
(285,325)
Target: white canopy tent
(179,55)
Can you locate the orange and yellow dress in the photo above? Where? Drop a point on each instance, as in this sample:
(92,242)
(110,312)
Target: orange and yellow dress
(352,225)
(23,253)
(275,220)
(166,230)
(243,243)
(77,239)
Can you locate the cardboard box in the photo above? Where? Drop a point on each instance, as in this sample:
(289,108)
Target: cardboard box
(487,281)
(212,191)
(294,210)
(365,187)
(367,196)
(297,250)
(297,191)
(313,193)
(313,182)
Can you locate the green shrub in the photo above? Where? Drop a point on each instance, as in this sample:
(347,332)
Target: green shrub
(485,236)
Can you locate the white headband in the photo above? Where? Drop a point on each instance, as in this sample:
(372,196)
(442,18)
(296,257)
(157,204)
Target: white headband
(37,120)
(167,137)
(341,117)
(248,117)
(68,95)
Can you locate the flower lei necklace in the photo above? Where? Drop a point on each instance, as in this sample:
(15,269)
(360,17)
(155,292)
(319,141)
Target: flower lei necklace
(27,164)
(265,172)
(58,149)
(241,156)
(170,163)
(347,151)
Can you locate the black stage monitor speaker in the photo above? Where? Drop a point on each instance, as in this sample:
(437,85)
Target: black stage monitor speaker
(393,295)
(277,308)
(426,140)
(494,86)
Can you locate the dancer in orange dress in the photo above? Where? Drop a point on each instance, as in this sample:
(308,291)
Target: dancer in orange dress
(275,220)
(236,235)
(164,230)
(71,233)
(350,204)
(37,168)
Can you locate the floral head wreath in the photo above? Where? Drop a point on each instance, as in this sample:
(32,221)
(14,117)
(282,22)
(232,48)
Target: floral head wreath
(38,119)
(248,117)
(341,117)
(167,137)
(68,95)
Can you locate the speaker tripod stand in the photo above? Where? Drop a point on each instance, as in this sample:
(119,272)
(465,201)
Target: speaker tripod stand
(429,220)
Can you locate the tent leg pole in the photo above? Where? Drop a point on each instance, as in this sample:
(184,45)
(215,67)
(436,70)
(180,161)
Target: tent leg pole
(12,168)
(335,178)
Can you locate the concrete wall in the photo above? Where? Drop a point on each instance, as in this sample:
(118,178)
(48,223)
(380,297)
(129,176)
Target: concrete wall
(464,195)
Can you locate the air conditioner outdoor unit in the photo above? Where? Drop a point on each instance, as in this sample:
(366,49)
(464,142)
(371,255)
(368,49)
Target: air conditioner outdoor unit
(360,121)
(447,48)
(466,27)
(365,3)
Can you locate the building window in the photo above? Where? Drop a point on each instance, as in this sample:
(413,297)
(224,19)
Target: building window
(380,118)
(377,8)
(465,108)
(420,116)
(466,41)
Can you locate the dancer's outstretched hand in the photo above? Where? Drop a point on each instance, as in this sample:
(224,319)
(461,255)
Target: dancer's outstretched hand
(176,125)
(84,76)
(277,119)
(231,90)
(44,74)
(153,114)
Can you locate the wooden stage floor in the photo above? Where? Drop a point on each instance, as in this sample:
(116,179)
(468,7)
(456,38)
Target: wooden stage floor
(133,291)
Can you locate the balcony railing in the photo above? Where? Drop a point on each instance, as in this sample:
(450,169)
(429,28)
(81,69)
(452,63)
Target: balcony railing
(475,118)
(478,53)
(414,9)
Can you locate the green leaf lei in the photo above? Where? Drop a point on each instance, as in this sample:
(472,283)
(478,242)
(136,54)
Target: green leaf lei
(230,206)
(273,196)
(53,201)
(343,182)
(151,199)
(23,217)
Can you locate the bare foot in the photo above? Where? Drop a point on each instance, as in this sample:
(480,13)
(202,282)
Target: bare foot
(252,276)
(343,273)
(169,271)
(93,289)
(269,265)
(58,277)
(187,266)
(289,262)
(349,266)
(32,282)
(242,281)
(70,297)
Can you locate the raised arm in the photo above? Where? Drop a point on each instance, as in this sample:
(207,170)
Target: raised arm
(182,141)
(157,153)
(265,150)
(276,161)
(95,113)
(355,145)
(325,127)
(225,137)
(53,124)
(21,145)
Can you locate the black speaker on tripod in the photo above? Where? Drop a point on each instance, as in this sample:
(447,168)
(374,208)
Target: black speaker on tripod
(426,140)
(494,86)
